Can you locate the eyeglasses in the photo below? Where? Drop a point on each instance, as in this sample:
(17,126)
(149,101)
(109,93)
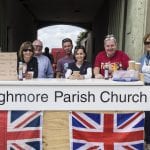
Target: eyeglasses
(25,50)
(146,43)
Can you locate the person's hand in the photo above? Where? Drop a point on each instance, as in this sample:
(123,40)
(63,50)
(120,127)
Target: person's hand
(98,76)
(29,75)
(76,77)
(76,74)
(80,77)
(72,77)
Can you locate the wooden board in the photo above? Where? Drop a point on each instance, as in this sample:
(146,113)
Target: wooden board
(56,130)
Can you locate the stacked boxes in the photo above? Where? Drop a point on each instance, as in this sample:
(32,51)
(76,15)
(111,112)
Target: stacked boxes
(8,66)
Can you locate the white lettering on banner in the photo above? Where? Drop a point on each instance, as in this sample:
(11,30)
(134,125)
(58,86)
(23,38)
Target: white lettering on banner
(64,96)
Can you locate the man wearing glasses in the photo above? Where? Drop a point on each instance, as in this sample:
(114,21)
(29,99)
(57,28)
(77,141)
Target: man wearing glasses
(111,56)
(44,65)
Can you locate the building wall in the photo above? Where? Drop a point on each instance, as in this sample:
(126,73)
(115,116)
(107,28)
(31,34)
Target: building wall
(3,38)
(136,26)
(87,42)
(17,26)
(117,10)
(128,20)
(100,29)
(147,9)
(109,20)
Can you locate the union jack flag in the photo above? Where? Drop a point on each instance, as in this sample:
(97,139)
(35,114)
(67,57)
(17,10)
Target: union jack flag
(20,130)
(105,131)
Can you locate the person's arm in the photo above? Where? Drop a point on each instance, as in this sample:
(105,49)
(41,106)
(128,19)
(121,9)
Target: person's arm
(145,68)
(88,75)
(96,73)
(68,73)
(125,60)
(50,73)
(96,69)
(58,74)
(58,69)
(35,69)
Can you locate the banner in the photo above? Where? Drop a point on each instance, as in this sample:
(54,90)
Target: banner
(20,130)
(105,131)
(74,97)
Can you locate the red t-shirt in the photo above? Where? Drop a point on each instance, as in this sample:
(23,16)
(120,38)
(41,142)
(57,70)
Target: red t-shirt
(119,58)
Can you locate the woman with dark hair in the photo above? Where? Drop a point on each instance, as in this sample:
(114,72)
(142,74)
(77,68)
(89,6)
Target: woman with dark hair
(80,69)
(26,56)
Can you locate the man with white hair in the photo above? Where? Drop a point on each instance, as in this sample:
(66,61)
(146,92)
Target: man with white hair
(44,65)
(110,56)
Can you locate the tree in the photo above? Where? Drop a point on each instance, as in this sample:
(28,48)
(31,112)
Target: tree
(81,36)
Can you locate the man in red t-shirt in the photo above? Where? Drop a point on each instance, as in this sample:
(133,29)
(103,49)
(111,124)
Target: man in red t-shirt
(116,59)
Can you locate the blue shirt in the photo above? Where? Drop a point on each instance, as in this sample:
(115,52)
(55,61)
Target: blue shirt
(45,69)
(145,67)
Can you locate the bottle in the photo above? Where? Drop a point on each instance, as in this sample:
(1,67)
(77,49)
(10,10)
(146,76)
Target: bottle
(24,69)
(106,71)
(20,71)
(120,67)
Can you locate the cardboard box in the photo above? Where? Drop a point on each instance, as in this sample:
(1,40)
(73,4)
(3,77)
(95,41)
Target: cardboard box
(8,66)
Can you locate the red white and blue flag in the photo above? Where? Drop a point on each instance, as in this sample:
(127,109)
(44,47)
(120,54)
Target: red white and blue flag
(20,130)
(105,131)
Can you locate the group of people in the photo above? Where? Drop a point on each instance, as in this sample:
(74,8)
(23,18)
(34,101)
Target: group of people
(77,67)
(71,66)
(31,54)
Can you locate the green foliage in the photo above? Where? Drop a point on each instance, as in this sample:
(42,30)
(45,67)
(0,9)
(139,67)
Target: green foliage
(81,36)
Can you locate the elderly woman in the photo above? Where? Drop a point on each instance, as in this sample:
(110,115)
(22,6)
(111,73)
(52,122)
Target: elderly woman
(145,68)
(80,69)
(145,59)
(26,56)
